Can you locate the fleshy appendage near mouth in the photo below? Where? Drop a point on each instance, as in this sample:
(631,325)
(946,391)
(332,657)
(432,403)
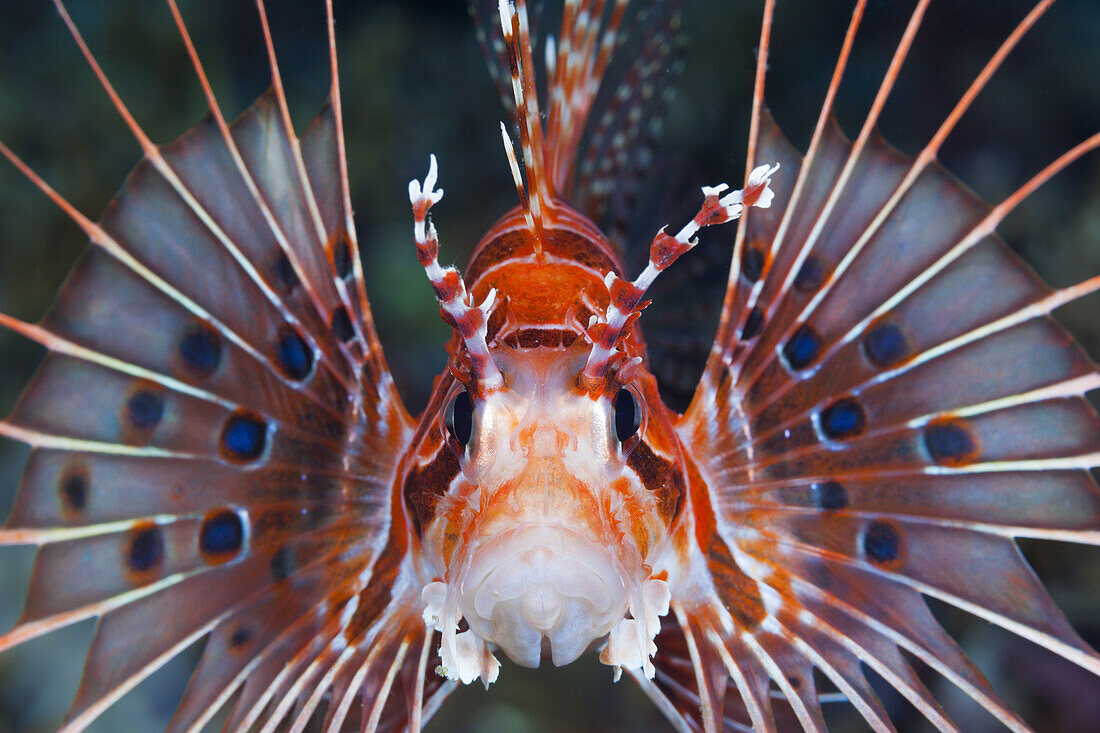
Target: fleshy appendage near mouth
(543,583)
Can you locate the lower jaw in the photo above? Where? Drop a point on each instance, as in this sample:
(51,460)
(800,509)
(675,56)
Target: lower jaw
(543,591)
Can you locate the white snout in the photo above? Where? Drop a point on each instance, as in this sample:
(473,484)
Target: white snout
(537,583)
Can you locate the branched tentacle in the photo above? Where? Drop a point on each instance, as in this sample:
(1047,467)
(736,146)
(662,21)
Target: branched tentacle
(469,320)
(626,303)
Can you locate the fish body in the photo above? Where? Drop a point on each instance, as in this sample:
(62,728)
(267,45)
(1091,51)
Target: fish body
(353,564)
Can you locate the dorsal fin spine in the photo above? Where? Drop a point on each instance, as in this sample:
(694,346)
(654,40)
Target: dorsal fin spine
(517,178)
(517,37)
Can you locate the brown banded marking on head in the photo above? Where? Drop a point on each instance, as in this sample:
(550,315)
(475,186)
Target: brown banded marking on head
(566,249)
(569,235)
(562,288)
(657,457)
(545,296)
(429,478)
(531,338)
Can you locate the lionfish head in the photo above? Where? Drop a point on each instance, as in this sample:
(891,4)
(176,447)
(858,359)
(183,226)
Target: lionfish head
(545,540)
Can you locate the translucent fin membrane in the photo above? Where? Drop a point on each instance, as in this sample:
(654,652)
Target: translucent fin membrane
(615,151)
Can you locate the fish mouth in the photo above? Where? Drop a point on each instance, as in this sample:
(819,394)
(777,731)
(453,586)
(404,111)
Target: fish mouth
(539,587)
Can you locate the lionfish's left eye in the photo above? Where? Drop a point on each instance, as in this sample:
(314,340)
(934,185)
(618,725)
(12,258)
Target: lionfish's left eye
(459,418)
(628,415)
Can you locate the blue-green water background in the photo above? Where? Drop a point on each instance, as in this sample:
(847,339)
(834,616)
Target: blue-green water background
(414,83)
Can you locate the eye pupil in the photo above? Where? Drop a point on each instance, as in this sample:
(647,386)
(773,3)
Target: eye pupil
(460,418)
(628,416)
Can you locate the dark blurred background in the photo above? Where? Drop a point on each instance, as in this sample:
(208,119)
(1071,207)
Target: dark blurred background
(414,83)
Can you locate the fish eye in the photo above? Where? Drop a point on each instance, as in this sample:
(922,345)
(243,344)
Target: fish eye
(459,418)
(628,415)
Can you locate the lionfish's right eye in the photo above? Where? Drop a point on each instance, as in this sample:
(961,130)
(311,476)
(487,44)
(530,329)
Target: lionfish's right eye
(459,418)
(628,415)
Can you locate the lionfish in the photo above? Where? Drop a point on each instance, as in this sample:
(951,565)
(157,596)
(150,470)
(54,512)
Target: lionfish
(219,450)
